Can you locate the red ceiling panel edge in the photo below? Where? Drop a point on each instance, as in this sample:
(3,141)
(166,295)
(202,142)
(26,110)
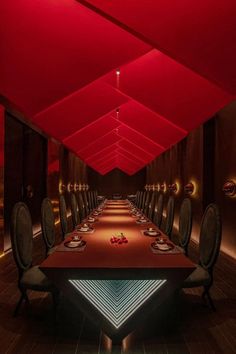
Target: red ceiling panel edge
(79,109)
(200,35)
(91,132)
(45,63)
(101,153)
(164,80)
(101,143)
(131,159)
(134,149)
(131,155)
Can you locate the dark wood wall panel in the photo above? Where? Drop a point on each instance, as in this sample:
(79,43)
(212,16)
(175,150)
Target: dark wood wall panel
(225,169)
(181,164)
(116,182)
(206,157)
(25,170)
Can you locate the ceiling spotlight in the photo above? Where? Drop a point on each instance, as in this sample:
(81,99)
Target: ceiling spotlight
(117,72)
(117,113)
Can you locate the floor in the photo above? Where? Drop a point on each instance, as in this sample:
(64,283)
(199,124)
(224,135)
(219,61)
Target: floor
(188,326)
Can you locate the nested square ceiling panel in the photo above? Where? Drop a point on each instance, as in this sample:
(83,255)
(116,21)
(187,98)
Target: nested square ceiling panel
(118,82)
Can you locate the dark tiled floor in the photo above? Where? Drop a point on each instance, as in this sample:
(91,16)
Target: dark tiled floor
(187,326)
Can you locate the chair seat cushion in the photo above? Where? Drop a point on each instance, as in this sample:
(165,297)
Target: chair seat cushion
(199,277)
(35,279)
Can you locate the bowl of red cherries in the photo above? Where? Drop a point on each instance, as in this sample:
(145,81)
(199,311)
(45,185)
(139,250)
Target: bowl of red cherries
(119,239)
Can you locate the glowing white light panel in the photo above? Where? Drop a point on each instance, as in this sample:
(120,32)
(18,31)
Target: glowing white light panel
(117,300)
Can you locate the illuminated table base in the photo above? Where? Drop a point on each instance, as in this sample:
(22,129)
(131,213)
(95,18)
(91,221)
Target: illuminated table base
(117,300)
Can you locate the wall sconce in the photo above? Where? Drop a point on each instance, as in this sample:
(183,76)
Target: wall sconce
(156,187)
(229,188)
(87,187)
(70,187)
(173,188)
(163,187)
(76,187)
(189,188)
(146,187)
(80,187)
(62,188)
(153,187)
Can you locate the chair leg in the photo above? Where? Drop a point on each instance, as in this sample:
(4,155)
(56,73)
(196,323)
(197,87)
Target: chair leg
(24,296)
(205,294)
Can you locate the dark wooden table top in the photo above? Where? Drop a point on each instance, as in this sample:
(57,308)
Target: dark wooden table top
(101,254)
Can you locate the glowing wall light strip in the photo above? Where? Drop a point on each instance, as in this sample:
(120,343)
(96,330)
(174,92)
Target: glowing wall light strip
(117,300)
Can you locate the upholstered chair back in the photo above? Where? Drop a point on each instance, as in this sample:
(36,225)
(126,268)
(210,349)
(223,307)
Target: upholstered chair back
(85,202)
(22,236)
(158,210)
(74,210)
(81,207)
(48,223)
(185,222)
(63,214)
(89,200)
(151,205)
(139,205)
(143,200)
(170,209)
(210,236)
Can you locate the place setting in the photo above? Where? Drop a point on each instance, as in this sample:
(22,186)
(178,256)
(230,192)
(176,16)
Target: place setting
(143,220)
(85,228)
(91,219)
(162,245)
(152,232)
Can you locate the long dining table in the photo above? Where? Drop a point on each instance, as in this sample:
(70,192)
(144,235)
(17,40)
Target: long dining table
(116,284)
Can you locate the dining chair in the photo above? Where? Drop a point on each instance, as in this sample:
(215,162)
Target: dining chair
(85,199)
(169,219)
(74,210)
(48,225)
(89,201)
(136,202)
(96,198)
(158,210)
(81,207)
(147,201)
(63,215)
(209,247)
(151,206)
(29,277)
(185,224)
(140,200)
(143,201)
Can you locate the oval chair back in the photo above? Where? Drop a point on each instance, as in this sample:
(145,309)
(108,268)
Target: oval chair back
(48,223)
(96,198)
(151,205)
(170,211)
(147,201)
(210,237)
(185,224)
(137,198)
(85,202)
(81,207)
(143,200)
(74,210)
(140,199)
(63,215)
(21,237)
(158,210)
(90,206)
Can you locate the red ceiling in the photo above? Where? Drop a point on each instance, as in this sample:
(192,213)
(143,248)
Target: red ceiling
(177,69)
